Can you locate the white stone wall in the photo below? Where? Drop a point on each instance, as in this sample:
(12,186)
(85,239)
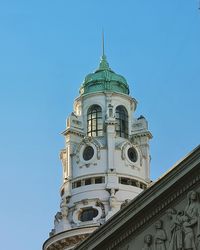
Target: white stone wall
(110,161)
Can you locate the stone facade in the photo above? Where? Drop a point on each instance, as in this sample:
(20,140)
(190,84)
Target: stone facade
(164,217)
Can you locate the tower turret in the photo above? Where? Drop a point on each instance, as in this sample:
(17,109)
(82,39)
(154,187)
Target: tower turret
(105,159)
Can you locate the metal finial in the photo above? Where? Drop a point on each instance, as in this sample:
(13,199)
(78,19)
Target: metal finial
(103,63)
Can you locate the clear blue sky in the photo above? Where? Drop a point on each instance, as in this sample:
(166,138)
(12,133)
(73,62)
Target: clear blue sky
(46,49)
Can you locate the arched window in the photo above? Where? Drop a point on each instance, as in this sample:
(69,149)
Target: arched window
(121,116)
(94,121)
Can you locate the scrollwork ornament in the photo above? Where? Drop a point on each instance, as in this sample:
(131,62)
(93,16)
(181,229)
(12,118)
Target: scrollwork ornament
(101,205)
(123,147)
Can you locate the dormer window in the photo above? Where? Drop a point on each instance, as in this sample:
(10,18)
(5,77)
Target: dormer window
(94,121)
(121,116)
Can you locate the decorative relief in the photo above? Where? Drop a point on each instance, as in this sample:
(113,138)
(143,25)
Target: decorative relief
(57,218)
(125,147)
(64,208)
(160,236)
(110,113)
(113,203)
(61,216)
(109,106)
(125,203)
(101,205)
(112,199)
(183,228)
(173,225)
(185,223)
(147,242)
(64,158)
(133,140)
(88,141)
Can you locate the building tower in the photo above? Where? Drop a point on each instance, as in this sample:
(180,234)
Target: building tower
(105,159)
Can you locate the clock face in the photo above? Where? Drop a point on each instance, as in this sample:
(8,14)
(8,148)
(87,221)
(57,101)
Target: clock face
(132,154)
(88,153)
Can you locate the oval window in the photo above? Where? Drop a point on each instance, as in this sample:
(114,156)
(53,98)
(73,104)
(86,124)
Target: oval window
(88,214)
(132,154)
(88,153)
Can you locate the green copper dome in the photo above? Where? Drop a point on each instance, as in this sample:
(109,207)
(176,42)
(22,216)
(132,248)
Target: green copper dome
(104,79)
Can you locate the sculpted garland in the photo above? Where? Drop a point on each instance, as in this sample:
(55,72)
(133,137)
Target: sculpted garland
(184,228)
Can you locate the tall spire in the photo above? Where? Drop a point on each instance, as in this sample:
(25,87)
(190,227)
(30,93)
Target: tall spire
(103,43)
(103,63)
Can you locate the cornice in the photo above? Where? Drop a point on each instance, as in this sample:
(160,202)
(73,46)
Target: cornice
(100,93)
(73,131)
(142,133)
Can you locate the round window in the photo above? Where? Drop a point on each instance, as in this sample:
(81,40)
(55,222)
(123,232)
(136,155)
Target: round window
(88,153)
(132,154)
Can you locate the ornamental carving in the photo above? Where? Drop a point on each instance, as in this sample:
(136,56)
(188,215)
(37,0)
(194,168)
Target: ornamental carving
(124,147)
(160,236)
(101,205)
(57,218)
(64,158)
(125,204)
(147,242)
(182,227)
(88,141)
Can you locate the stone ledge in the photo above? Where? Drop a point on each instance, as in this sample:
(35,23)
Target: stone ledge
(68,239)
